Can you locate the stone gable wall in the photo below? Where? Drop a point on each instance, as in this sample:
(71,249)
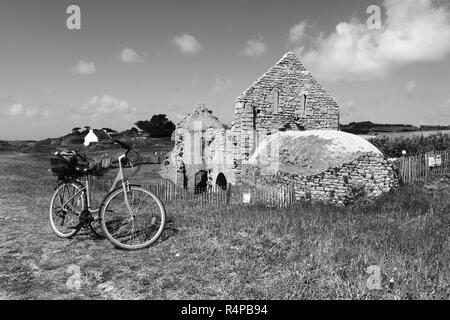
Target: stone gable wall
(292,81)
(255,112)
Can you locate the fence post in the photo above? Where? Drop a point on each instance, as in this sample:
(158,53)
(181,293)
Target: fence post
(403,169)
(409,168)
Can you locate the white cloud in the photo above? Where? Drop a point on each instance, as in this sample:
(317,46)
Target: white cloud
(17,110)
(413,32)
(255,48)
(128,55)
(297,32)
(107,105)
(84,68)
(187,44)
(411,87)
(222,85)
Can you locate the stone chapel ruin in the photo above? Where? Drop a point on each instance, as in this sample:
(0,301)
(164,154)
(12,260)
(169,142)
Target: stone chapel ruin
(286,98)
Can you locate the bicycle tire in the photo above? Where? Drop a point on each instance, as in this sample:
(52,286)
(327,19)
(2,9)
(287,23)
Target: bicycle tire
(117,236)
(62,217)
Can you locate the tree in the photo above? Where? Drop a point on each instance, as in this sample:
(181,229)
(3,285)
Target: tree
(158,126)
(76,131)
(144,125)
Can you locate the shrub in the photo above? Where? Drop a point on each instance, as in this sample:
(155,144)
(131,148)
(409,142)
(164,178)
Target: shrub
(393,146)
(77,140)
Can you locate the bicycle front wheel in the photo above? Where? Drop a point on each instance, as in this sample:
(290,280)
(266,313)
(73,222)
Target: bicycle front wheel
(134,219)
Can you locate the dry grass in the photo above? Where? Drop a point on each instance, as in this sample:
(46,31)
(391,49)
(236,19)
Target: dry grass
(306,252)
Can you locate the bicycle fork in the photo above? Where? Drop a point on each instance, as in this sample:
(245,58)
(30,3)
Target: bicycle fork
(125,186)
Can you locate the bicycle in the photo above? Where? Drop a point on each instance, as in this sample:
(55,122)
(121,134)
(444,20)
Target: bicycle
(130,216)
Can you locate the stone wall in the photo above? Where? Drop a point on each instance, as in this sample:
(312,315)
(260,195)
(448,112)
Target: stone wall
(364,178)
(219,155)
(287,97)
(300,99)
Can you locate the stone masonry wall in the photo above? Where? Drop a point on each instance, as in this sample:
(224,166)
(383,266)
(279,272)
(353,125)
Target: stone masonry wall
(301,104)
(255,107)
(186,159)
(366,177)
(219,154)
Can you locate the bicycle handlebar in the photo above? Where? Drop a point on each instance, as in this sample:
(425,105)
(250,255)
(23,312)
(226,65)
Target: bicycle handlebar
(123,145)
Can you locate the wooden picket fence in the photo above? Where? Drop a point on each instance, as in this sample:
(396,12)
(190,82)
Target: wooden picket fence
(168,192)
(424,166)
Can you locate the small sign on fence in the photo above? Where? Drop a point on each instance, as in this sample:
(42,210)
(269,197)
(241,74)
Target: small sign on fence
(434,160)
(438,160)
(431,161)
(247,198)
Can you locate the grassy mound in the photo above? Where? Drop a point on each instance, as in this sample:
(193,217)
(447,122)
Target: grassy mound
(309,152)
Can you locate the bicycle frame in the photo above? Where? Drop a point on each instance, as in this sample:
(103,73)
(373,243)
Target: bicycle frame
(119,178)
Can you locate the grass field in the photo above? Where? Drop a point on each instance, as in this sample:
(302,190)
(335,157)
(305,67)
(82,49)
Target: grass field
(307,252)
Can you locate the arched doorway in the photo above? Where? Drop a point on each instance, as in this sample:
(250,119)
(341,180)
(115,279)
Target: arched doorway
(221,181)
(201,179)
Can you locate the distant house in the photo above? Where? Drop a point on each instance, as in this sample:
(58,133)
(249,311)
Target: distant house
(91,137)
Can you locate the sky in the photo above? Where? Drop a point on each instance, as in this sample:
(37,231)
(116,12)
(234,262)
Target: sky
(133,59)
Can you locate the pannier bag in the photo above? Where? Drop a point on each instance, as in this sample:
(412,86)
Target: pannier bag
(64,165)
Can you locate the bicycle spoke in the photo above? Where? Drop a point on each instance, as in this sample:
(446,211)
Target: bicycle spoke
(65,209)
(137,228)
(118,227)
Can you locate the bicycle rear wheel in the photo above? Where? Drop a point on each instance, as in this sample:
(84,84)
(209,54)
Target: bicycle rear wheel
(136,225)
(66,205)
